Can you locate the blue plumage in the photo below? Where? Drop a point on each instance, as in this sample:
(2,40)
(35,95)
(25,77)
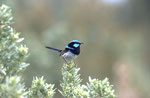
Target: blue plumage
(69,48)
(75,41)
(76,45)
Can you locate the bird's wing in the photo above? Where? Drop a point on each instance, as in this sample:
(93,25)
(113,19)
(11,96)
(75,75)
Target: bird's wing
(63,51)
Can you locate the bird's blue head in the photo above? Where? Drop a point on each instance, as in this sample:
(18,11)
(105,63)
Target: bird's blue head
(74,46)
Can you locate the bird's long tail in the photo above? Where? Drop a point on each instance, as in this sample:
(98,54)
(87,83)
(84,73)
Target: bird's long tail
(58,50)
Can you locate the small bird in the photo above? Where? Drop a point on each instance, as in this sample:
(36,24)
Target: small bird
(71,51)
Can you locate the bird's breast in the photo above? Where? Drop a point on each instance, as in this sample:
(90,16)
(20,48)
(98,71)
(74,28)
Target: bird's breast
(69,55)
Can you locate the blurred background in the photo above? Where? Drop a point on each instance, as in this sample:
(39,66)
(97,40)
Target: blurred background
(116,34)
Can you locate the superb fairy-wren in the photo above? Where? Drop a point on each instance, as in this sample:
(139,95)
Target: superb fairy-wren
(71,51)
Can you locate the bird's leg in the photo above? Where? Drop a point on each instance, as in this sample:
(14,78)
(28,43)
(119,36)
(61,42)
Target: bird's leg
(74,63)
(65,61)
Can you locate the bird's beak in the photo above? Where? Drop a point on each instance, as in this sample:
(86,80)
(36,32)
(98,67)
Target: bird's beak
(81,43)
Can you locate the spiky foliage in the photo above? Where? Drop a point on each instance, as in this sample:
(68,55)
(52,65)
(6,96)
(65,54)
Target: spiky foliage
(71,80)
(72,88)
(12,53)
(12,62)
(40,89)
(12,88)
(100,88)
(12,57)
